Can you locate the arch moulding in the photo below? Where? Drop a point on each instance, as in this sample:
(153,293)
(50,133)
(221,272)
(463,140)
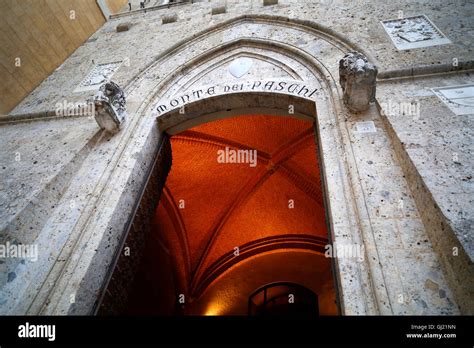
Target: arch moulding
(287,78)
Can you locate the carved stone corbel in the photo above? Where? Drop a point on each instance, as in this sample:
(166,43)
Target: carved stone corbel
(357,77)
(110,107)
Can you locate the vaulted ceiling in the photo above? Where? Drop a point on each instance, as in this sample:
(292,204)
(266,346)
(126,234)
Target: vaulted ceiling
(209,208)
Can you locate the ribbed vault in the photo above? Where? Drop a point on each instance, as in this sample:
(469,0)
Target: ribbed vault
(210,208)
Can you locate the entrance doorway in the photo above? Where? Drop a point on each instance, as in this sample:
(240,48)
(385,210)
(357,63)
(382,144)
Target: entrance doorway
(242,207)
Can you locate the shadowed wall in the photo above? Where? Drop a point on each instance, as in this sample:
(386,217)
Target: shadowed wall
(37,36)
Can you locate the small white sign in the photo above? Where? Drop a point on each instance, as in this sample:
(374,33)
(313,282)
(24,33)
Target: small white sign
(459,99)
(366,127)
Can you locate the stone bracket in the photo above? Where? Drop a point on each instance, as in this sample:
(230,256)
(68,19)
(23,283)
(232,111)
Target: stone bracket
(357,78)
(110,107)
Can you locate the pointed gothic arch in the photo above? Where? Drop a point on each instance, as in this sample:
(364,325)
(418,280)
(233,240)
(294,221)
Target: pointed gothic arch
(141,137)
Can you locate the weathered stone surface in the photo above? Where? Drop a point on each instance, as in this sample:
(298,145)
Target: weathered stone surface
(70,209)
(110,107)
(357,78)
(434,145)
(170,18)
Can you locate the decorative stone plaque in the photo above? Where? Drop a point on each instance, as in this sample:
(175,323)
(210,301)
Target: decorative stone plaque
(459,99)
(99,75)
(414,32)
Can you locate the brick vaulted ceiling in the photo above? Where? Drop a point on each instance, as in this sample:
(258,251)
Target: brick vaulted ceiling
(209,208)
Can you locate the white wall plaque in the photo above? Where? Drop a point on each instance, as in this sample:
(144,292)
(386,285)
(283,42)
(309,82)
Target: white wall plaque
(459,99)
(414,32)
(366,127)
(100,74)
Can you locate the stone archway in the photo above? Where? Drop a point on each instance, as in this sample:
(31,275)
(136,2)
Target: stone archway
(199,112)
(242,189)
(137,144)
(216,107)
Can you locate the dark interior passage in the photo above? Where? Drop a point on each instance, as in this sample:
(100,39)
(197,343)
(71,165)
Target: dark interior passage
(242,208)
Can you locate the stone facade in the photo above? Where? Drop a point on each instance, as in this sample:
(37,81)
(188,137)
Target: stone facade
(397,176)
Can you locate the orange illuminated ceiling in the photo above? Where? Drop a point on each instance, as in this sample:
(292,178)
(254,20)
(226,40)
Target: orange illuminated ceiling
(208,208)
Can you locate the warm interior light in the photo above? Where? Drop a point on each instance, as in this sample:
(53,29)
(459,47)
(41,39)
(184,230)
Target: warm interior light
(209,207)
(213,310)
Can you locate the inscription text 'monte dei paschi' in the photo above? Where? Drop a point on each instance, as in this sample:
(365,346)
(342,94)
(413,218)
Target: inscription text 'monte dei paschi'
(296,88)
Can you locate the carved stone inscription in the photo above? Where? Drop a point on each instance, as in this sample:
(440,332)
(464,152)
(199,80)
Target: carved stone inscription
(294,87)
